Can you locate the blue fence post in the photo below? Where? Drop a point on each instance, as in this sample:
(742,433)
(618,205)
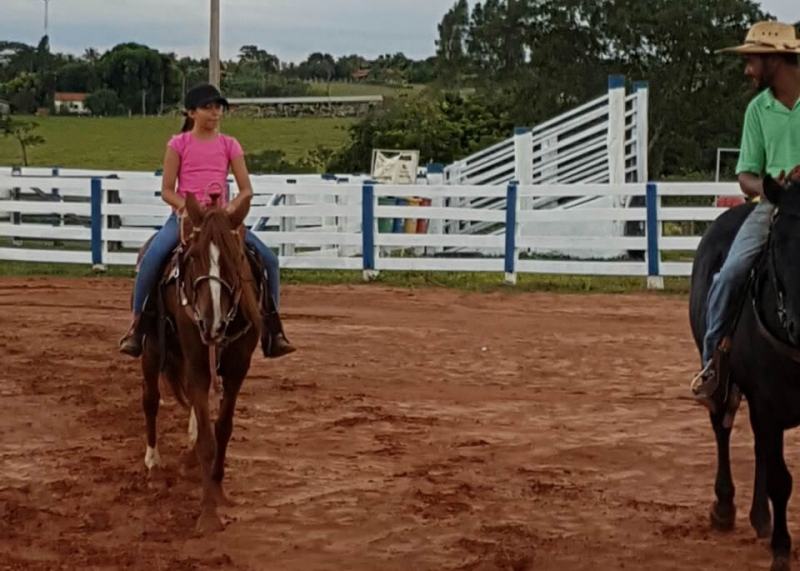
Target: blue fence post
(654,278)
(368,230)
(97,224)
(511,233)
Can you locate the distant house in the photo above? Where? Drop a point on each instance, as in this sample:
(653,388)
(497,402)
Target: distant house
(5,108)
(71,103)
(360,74)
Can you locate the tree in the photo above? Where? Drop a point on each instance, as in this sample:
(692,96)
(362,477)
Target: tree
(346,65)
(22,92)
(265,62)
(442,126)
(91,55)
(22,131)
(137,73)
(190,72)
(697,97)
(104,102)
(318,66)
(78,76)
(538,58)
(451,45)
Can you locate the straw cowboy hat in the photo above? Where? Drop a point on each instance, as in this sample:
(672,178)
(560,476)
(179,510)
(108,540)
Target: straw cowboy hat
(768,38)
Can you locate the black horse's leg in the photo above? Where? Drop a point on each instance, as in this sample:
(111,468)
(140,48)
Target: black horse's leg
(723,510)
(150,400)
(760,517)
(779,488)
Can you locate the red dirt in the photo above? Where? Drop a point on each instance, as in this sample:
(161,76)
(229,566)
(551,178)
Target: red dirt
(416,429)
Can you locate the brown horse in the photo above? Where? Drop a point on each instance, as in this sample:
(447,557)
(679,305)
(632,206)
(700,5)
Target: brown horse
(209,326)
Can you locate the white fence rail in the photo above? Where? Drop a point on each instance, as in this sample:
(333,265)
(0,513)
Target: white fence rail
(342,225)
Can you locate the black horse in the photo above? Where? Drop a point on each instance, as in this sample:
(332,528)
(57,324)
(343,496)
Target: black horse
(764,360)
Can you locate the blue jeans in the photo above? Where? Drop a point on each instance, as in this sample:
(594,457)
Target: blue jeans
(165,242)
(732,277)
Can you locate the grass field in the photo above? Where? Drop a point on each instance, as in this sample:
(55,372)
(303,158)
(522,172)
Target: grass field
(138,143)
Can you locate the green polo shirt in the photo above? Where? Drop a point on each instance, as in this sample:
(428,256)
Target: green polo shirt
(770,137)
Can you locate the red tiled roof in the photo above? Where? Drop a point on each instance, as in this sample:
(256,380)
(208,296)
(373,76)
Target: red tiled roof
(63,96)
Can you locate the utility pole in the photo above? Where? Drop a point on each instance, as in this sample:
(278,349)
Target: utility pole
(213,60)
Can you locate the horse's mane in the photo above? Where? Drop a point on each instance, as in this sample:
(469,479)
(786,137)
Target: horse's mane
(217,228)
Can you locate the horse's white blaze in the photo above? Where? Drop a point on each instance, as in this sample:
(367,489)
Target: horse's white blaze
(152,458)
(215,287)
(192,428)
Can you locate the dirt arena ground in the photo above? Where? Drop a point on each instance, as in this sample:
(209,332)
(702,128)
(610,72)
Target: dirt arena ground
(415,430)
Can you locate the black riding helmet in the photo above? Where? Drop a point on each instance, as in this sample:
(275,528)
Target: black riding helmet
(202,95)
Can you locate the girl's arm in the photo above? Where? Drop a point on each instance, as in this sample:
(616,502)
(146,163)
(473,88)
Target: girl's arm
(242,176)
(172,162)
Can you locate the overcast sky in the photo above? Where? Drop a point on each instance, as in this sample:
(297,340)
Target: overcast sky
(291,29)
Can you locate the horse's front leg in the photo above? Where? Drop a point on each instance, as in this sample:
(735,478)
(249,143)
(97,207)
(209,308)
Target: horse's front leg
(760,516)
(224,428)
(150,402)
(779,488)
(723,510)
(189,457)
(206,447)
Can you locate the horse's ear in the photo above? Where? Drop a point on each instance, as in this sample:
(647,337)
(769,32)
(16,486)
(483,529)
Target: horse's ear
(772,190)
(240,213)
(194,210)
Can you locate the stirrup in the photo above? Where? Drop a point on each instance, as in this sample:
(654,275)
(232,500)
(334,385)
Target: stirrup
(131,345)
(131,342)
(704,380)
(705,387)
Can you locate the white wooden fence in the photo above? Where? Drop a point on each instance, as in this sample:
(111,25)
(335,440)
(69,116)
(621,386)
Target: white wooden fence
(601,141)
(335,224)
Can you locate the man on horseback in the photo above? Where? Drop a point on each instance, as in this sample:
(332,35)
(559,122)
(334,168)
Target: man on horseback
(770,145)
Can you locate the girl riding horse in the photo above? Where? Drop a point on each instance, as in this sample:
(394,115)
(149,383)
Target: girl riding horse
(197,160)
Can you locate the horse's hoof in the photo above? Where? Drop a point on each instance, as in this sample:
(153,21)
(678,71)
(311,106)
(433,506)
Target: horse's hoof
(781,563)
(189,459)
(209,522)
(723,518)
(223,499)
(763,530)
(156,478)
(189,465)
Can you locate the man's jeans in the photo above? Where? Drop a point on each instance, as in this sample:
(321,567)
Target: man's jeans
(728,284)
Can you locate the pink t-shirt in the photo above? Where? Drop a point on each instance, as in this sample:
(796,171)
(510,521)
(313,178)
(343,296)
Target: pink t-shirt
(204,164)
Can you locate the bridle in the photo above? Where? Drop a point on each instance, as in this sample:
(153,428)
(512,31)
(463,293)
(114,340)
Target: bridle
(187,292)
